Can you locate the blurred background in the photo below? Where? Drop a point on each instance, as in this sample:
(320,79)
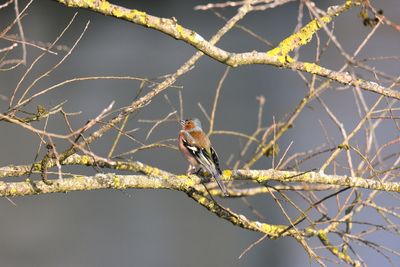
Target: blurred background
(166,228)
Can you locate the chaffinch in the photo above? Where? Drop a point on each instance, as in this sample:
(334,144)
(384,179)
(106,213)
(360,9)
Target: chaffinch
(196,148)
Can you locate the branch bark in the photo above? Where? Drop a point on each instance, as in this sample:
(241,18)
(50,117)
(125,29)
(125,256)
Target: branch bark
(154,178)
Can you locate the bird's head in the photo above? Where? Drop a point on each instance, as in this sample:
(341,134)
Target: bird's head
(191,124)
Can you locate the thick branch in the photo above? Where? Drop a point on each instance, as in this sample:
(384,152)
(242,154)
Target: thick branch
(106,181)
(154,178)
(263,176)
(259,176)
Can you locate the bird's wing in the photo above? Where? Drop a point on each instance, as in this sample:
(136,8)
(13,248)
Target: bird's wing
(198,145)
(215,159)
(190,143)
(204,154)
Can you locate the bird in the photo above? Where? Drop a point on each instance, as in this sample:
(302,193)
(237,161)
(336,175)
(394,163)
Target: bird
(198,151)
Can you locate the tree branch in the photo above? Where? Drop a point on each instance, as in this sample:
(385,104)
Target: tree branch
(169,180)
(278,56)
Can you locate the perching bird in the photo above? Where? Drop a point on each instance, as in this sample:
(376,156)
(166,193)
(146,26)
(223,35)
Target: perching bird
(196,148)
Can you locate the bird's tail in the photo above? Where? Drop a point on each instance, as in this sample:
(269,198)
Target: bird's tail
(221,184)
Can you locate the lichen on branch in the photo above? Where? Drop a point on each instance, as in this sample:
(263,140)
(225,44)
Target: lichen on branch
(278,56)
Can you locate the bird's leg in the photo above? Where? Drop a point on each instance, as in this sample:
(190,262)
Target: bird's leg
(204,178)
(198,172)
(191,170)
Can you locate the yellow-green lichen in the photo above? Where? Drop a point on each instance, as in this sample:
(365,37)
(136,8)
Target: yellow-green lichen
(323,236)
(349,3)
(180,30)
(282,58)
(272,230)
(124,166)
(119,166)
(13,191)
(117,182)
(118,12)
(190,183)
(153,171)
(85,160)
(37,166)
(89,3)
(335,250)
(308,176)
(274,52)
(341,255)
(184,34)
(104,5)
(203,201)
(297,39)
(311,231)
(80,179)
(227,174)
(344,146)
(139,15)
(263,178)
(312,68)
(345,250)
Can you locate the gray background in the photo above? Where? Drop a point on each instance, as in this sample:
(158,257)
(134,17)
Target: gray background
(165,228)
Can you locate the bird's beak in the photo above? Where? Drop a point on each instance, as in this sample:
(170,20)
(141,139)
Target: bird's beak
(182,122)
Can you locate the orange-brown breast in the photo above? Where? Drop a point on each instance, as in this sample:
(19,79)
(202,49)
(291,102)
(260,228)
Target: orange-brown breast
(189,125)
(185,152)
